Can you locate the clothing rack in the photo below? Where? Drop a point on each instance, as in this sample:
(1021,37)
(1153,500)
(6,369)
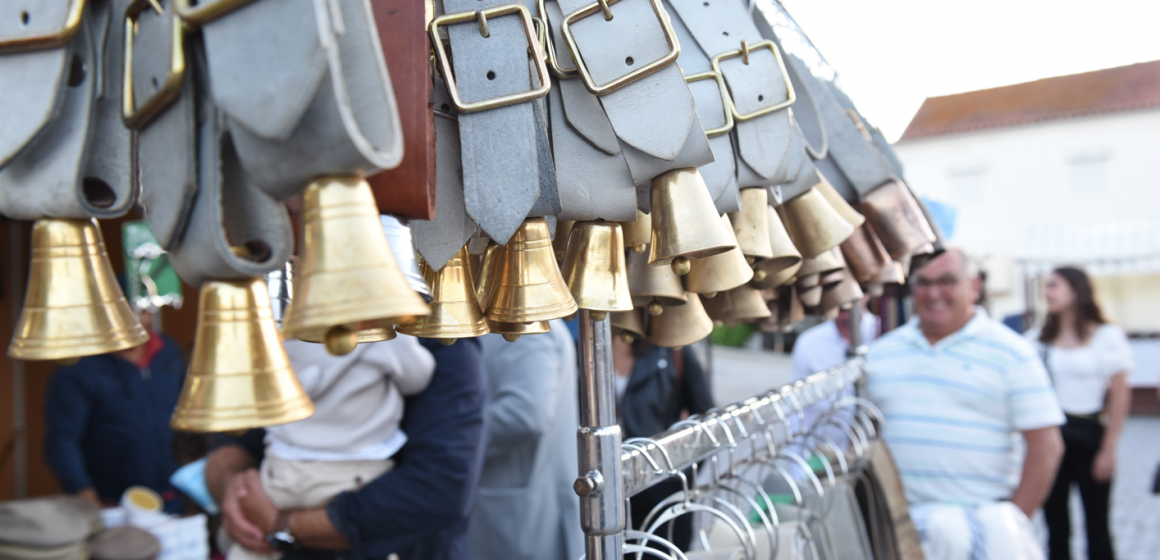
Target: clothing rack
(608,475)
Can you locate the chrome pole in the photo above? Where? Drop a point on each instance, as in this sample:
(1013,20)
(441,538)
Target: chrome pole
(600,483)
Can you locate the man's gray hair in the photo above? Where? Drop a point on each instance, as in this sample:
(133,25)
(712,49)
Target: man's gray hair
(970,265)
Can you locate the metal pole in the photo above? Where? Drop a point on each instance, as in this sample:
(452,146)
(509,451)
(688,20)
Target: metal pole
(600,484)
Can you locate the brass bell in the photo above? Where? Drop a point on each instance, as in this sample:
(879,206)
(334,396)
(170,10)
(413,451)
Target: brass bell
(790,308)
(349,287)
(485,280)
(813,224)
(627,325)
(839,204)
(513,331)
(685,225)
(528,285)
(786,259)
(653,287)
(891,274)
(638,234)
(840,295)
(455,312)
(739,304)
(719,273)
(682,325)
(594,268)
(751,225)
(824,263)
(809,290)
(864,254)
(897,219)
(560,242)
(239,376)
(73,306)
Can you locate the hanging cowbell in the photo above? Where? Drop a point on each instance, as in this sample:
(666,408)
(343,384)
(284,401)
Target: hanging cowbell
(685,224)
(73,306)
(638,234)
(786,260)
(682,325)
(739,304)
(349,287)
(751,225)
(239,375)
(455,312)
(721,272)
(594,268)
(653,287)
(813,224)
(840,295)
(528,286)
(627,325)
(865,254)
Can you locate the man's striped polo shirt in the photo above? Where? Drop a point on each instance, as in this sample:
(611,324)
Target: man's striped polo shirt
(954,410)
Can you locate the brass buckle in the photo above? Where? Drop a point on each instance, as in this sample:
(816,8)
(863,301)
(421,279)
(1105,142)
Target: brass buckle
(553,62)
(72,24)
(726,102)
(206,10)
(134,116)
(647,69)
(743,52)
(481,16)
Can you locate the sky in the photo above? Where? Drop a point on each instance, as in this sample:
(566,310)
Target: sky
(892,54)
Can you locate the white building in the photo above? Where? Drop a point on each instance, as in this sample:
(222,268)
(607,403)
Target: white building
(1064,170)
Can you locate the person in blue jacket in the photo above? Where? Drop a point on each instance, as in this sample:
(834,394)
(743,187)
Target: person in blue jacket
(108,421)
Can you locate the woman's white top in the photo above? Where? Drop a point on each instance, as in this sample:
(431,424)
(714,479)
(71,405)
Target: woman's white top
(1082,375)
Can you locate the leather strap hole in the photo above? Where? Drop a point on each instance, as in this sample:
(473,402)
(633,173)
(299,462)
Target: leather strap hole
(98,192)
(628,61)
(760,98)
(445,108)
(153,80)
(491,74)
(725,33)
(259,250)
(24,18)
(706,4)
(76,72)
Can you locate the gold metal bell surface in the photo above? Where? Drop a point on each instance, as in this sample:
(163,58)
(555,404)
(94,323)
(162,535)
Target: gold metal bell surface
(839,204)
(681,325)
(638,234)
(719,272)
(751,224)
(739,304)
(813,224)
(653,284)
(528,285)
(73,306)
(897,219)
(865,256)
(832,278)
(347,276)
(594,267)
(824,263)
(809,290)
(840,295)
(786,259)
(239,376)
(891,274)
(627,325)
(455,312)
(513,331)
(685,223)
(560,242)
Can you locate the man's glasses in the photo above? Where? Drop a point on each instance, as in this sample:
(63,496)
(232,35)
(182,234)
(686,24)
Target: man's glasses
(942,282)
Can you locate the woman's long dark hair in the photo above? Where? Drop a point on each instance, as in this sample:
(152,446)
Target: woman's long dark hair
(1087,311)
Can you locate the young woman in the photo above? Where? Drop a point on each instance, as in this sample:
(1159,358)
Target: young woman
(1088,360)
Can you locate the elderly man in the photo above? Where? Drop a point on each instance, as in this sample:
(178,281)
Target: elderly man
(957,389)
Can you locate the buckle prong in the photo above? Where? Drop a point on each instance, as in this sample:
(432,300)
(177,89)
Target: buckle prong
(745,52)
(482,23)
(606,9)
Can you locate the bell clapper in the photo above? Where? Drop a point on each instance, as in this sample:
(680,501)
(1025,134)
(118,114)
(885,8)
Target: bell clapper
(511,337)
(597,315)
(655,308)
(750,259)
(341,341)
(640,248)
(681,266)
(67,361)
(709,295)
(569,318)
(759,274)
(446,341)
(626,337)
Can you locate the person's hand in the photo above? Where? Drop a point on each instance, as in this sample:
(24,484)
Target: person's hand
(243,531)
(256,504)
(1104,465)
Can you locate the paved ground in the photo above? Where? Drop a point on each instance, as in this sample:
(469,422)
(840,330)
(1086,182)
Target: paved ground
(738,374)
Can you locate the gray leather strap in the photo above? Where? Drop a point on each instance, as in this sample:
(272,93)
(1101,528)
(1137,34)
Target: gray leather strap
(806,179)
(581,107)
(548,202)
(44,180)
(695,153)
(730,198)
(807,118)
(593,184)
(32,84)
(112,151)
(346,121)
(655,114)
(500,187)
(438,240)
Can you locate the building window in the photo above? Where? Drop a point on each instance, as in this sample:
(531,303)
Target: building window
(1089,171)
(967,186)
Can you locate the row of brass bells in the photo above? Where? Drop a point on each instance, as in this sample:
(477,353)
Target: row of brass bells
(742,303)
(813,223)
(349,288)
(720,272)
(840,295)
(897,219)
(682,325)
(653,288)
(685,225)
(239,375)
(864,254)
(638,234)
(784,265)
(455,312)
(594,268)
(73,306)
(627,325)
